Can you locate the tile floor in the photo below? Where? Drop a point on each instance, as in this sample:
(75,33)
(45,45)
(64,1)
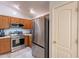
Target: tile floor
(24,53)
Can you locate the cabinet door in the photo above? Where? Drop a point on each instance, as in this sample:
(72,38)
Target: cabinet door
(27,24)
(17,20)
(21,21)
(26,40)
(1,21)
(14,20)
(30,41)
(5,22)
(65,31)
(5,45)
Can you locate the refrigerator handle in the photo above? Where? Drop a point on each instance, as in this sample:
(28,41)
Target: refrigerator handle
(33,30)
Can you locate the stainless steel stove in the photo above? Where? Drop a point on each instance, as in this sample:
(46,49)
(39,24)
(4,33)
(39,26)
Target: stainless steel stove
(17,42)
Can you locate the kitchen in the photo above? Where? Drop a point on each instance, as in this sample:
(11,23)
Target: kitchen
(21,28)
(13,39)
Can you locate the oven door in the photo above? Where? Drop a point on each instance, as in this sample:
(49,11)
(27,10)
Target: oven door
(21,41)
(17,42)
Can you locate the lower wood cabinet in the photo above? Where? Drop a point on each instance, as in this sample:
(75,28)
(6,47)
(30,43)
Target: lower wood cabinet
(28,41)
(5,45)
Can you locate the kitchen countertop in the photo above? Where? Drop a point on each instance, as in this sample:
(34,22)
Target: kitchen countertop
(27,34)
(4,37)
(10,36)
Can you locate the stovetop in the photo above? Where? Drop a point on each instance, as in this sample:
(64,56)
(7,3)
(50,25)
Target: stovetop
(16,36)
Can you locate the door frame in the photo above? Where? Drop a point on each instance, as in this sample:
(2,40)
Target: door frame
(78,28)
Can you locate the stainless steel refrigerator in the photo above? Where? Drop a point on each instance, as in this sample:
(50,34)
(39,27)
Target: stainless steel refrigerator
(40,42)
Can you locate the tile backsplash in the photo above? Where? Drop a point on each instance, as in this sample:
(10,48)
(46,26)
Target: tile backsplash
(11,30)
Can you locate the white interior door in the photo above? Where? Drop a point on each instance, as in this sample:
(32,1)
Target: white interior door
(65,30)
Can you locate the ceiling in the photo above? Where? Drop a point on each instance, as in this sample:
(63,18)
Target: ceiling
(27,9)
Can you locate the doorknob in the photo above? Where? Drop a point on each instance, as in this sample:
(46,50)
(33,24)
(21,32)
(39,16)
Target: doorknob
(54,42)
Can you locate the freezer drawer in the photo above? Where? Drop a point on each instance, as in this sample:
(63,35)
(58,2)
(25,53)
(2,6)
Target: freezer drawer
(38,52)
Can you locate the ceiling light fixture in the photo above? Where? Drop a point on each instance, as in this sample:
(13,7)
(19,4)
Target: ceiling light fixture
(17,7)
(32,11)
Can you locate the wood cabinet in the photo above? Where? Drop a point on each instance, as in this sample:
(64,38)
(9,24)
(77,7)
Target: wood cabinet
(27,24)
(14,20)
(28,41)
(4,22)
(1,21)
(21,21)
(5,45)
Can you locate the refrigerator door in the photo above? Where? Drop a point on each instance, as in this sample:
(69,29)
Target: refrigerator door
(39,31)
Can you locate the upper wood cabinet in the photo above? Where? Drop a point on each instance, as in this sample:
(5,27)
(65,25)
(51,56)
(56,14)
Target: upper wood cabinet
(27,24)
(4,22)
(14,20)
(21,21)
(1,22)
